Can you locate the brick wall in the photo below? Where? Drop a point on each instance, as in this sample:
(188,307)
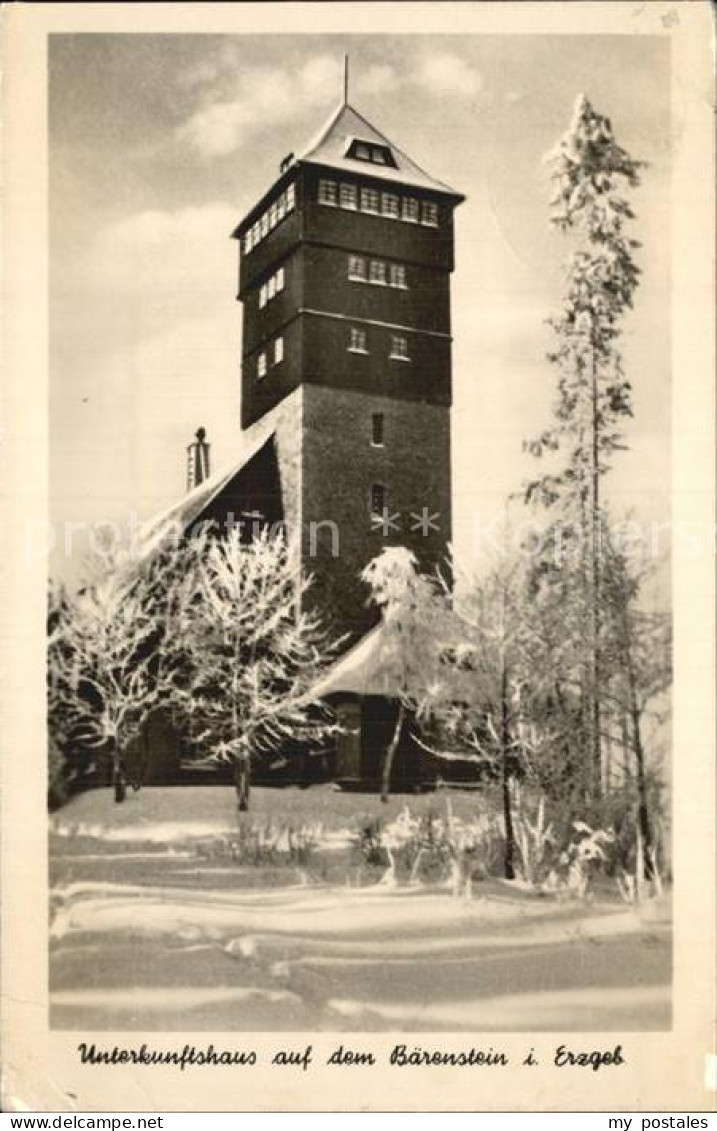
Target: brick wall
(338,467)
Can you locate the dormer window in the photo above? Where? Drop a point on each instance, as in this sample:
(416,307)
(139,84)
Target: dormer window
(368,151)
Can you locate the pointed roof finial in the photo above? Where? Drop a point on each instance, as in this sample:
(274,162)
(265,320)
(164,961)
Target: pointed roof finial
(346,80)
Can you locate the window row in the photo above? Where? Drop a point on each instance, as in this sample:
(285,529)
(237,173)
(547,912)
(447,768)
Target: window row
(271,287)
(377,271)
(337,194)
(266,223)
(398,350)
(275,352)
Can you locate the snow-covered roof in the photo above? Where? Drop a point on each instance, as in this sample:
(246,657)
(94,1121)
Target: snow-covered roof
(346,125)
(180,514)
(360,671)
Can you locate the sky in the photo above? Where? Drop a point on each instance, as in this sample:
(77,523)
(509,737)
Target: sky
(159,144)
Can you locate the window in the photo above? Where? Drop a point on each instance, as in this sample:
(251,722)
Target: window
(389,205)
(399,348)
(370,200)
(348,196)
(366,151)
(377,429)
(397,275)
(378,499)
(256,234)
(290,197)
(357,342)
(357,267)
(429,214)
(261,365)
(281,207)
(278,350)
(264,225)
(377,271)
(272,216)
(271,288)
(410,210)
(328,192)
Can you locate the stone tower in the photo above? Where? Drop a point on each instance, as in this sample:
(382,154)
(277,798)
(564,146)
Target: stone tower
(345,266)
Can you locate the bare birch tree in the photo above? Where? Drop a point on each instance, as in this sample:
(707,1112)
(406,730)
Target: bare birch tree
(103,660)
(498,681)
(247,652)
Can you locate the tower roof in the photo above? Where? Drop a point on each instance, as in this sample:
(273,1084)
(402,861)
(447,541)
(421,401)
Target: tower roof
(345,130)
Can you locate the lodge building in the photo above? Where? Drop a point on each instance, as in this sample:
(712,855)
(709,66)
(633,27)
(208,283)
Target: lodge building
(344,280)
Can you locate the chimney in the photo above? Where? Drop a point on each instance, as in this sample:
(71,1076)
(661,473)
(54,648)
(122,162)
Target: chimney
(197,460)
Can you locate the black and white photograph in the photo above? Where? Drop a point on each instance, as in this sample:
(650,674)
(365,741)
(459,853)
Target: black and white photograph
(360,544)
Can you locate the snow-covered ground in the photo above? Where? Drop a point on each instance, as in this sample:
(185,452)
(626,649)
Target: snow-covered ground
(154,926)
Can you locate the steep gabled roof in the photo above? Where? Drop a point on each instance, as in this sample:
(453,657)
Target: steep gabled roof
(330,147)
(179,516)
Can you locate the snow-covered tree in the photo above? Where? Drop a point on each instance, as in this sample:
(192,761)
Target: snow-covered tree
(638,652)
(590,173)
(498,681)
(246,651)
(102,658)
(59,694)
(465,662)
(412,611)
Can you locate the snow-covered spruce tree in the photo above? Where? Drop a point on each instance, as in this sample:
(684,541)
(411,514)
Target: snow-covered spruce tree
(555,595)
(246,652)
(102,660)
(590,173)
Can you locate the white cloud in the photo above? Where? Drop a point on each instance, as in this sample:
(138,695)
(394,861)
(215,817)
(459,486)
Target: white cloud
(378,78)
(259,96)
(449,74)
(234,102)
(187,252)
